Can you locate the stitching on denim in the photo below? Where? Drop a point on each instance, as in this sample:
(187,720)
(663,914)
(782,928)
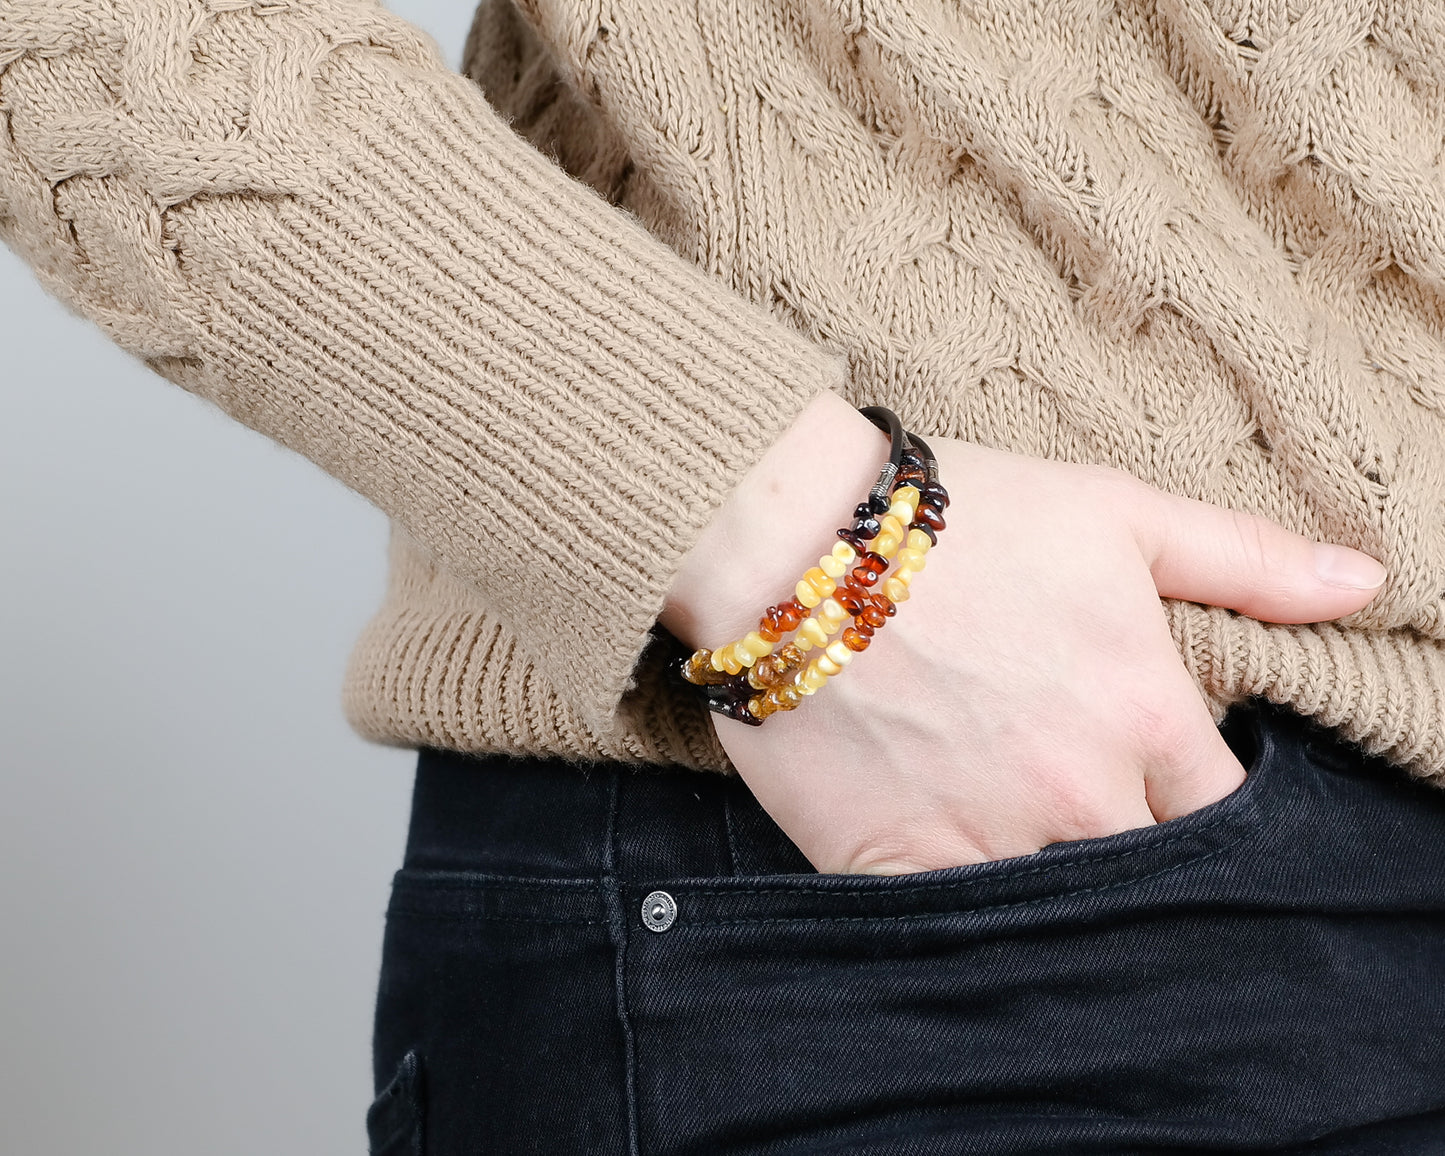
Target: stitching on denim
(617,921)
(806,884)
(728,833)
(946,914)
(469,881)
(470,916)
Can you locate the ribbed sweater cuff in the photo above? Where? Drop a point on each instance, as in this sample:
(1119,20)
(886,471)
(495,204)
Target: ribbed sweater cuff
(389,280)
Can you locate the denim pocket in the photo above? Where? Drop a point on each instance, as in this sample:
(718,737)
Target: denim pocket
(394,1120)
(1072,867)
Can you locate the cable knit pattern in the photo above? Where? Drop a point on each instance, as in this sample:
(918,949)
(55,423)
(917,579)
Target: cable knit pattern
(1202,241)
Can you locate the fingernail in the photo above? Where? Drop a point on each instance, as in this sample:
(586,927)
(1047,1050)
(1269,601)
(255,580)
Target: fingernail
(1348,568)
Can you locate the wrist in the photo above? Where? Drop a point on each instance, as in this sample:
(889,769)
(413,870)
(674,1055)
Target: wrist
(778,521)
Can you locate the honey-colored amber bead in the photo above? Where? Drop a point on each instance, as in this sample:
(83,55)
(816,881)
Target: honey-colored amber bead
(854,639)
(820,581)
(732,663)
(760,707)
(814,632)
(701,671)
(756,645)
(790,654)
(786,697)
(873,616)
(832,566)
(831,611)
(885,544)
(896,590)
(839,653)
(909,496)
(845,553)
(765,672)
(806,595)
(717,658)
(930,517)
(813,677)
(911,560)
(888,524)
(918,540)
(827,665)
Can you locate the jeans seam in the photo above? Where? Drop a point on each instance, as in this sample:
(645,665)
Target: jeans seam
(807,885)
(1034,902)
(617,921)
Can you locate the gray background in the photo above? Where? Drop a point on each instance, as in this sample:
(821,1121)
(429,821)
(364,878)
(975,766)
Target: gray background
(195,850)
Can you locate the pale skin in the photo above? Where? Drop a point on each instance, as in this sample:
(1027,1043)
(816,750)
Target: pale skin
(1029,690)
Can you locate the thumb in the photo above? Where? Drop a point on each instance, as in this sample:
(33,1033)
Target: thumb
(1205,553)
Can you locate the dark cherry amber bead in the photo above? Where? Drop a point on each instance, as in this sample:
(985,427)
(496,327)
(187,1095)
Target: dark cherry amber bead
(854,640)
(854,539)
(875,562)
(911,477)
(935,495)
(878,504)
(850,599)
(862,510)
(868,527)
(864,576)
(928,516)
(873,616)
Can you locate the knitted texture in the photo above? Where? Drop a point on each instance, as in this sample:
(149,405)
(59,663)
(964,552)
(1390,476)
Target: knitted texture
(547,314)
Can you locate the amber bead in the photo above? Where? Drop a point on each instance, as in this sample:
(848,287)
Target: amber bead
(929,530)
(868,527)
(863,628)
(864,576)
(928,516)
(935,495)
(791,654)
(885,604)
(854,640)
(871,561)
(873,616)
(766,672)
(698,669)
(818,579)
(910,476)
(854,539)
(851,599)
(793,613)
(768,632)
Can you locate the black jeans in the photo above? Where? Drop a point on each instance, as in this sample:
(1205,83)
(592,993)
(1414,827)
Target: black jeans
(1264,974)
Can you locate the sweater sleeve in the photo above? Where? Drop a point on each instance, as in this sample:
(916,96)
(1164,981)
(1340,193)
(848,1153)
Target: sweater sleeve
(301,213)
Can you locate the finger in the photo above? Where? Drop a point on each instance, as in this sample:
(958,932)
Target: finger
(1221,557)
(1190,764)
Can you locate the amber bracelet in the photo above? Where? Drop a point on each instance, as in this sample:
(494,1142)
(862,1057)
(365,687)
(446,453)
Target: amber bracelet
(900,519)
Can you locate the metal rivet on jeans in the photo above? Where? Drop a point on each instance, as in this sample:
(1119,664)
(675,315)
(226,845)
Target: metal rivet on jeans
(658,911)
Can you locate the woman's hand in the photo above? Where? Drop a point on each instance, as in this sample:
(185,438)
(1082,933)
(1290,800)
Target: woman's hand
(1029,690)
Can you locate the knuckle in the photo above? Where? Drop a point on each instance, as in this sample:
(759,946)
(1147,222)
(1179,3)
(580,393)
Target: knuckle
(1254,545)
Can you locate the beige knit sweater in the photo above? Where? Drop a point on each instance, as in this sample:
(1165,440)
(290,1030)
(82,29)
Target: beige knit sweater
(547,314)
